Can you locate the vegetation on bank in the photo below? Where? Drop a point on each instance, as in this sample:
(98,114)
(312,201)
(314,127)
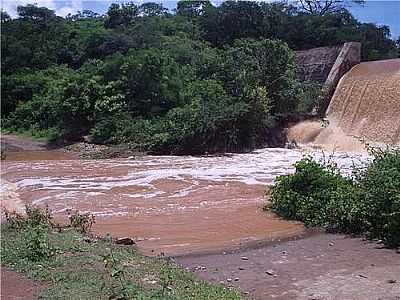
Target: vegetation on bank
(366,203)
(76,265)
(201,79)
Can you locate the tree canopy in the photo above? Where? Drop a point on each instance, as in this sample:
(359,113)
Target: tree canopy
(201,78)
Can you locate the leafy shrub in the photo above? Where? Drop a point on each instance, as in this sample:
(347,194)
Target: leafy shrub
(34,226)
(36,243)
(380,192)
(166,99)
(310,98)
(81,222)
(14,220)
(319,195)
(35,216)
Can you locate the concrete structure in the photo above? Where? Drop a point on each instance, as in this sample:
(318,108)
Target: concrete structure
(326,65)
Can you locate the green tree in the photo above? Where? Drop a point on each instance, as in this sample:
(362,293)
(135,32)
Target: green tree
(121,15)
(152,9)
(321,7)
(192,9)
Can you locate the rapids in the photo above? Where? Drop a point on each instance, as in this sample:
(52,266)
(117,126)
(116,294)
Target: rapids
(173,204)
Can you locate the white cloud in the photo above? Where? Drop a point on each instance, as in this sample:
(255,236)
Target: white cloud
(71,8)
(62,8)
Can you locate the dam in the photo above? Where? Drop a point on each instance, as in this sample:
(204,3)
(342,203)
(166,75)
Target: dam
(366,103)
(362,102)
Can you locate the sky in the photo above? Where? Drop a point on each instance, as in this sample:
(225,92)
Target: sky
(380,12)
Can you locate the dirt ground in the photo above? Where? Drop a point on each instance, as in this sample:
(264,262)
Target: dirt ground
(319,267)
(15,143)
(15,286)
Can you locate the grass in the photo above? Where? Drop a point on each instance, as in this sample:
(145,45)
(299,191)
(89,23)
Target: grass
(77,266)
(36,135)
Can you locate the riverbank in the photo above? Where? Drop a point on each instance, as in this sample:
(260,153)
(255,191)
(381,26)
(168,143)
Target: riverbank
(172,204)
(65,264)
(205,210)
(19,148)
(321,267)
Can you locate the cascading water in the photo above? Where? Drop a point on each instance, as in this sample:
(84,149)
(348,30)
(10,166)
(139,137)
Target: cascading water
(364,108)
(175,203)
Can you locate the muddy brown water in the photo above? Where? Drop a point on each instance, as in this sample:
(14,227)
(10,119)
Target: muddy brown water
(172,205)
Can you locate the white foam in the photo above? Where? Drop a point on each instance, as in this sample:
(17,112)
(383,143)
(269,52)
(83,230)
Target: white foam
(63,182)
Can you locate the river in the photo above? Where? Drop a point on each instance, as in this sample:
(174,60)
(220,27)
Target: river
(170,204)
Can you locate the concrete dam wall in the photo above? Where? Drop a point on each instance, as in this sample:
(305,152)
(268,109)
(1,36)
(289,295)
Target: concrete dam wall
(326,65)
(366,103)
(362,100)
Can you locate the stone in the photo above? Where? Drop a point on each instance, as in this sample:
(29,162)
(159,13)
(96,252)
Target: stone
(125,241)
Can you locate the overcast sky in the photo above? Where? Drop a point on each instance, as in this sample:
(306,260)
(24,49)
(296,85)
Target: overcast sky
(378,11)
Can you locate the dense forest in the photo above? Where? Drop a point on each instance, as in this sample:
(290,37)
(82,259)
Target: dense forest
(201,78)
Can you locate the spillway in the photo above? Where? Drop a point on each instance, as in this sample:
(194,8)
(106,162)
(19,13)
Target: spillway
(366,103)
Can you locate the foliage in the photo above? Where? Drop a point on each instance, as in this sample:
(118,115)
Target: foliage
(310,98)
(35,217)
(74,266)
(380,186)
(33,228)
(320,196)
(81,222)
(36,244)
(322,7)
(203,79)
(301,30)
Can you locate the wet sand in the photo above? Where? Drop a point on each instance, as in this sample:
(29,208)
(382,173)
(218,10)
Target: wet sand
(320,267)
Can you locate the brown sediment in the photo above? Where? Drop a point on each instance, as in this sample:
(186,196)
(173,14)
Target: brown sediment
(16,143)
(314,135)
(305,132)
(165,202)
(201,230)
(26,149)
(38,155)
(172,204)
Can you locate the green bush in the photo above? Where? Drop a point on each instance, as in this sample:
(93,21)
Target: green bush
(34,227)
(35,216)
(380,192)
(319,195)
(82,222)
(187,99)
(36,243)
